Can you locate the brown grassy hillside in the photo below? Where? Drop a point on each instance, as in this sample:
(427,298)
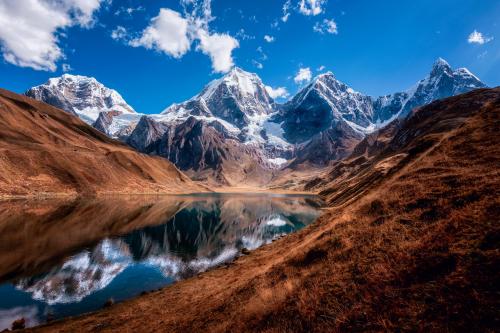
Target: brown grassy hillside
(410,243)
(46,150)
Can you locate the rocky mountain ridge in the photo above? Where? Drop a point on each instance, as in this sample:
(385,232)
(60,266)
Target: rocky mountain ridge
(320,124)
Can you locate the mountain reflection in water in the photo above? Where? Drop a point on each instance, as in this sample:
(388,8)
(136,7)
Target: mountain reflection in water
(66,258)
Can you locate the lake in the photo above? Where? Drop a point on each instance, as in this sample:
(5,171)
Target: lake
(61,258)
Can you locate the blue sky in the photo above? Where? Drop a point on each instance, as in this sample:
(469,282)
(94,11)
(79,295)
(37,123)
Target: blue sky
(377,47)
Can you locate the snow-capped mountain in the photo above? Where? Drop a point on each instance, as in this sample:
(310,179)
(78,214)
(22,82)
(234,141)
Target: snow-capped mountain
(230,123)
(238,103)
(80,95)
(322,104)
(233,130)
(237,97)
(326,101)
(441,82)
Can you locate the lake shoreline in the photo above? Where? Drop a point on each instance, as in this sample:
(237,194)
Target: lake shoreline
(235,191)
(153,240)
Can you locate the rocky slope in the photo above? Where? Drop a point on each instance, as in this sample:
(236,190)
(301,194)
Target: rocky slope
(205,153)
(332,144)
(409,244)
(318,126)
(45,150)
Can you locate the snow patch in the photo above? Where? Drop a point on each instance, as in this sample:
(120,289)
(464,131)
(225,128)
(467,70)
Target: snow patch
(278,161)
(277,221)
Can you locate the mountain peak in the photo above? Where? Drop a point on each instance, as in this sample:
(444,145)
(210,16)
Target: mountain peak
(236,80)
(466,73)
(81,95)
(237,98)
(239,76)
(440,66)
(325,75)
(72,78)
(441,62)
(76,77)
(332,82)
(237,69)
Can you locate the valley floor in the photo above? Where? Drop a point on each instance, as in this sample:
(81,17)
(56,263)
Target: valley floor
(416,250)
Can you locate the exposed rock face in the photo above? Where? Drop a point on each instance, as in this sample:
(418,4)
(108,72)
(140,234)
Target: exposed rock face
(203,151)
(105,120)
(80,95)
(328,104)
(194,145)
(50,96)
(147,132)
(329,145)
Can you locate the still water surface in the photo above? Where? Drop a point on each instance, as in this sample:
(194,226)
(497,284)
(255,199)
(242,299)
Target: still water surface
(63,258)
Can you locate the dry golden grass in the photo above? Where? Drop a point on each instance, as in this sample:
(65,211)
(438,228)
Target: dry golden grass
(45,151)
(410,247)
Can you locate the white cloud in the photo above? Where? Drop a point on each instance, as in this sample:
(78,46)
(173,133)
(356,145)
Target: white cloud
(303,75)
(321,68)
(311,7)
(219,47)
(279,92)
(168,33)
(119,33)
(173,33)
(241,34)
(257,64)
(83,10)
(66,68)
(268,38)
(199,12)
(286,10)
(327,26)
(30,29)
(129,11)
(482,55)
(262,55)
(478,38)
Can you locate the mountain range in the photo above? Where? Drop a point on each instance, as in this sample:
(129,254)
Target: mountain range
(234,133)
